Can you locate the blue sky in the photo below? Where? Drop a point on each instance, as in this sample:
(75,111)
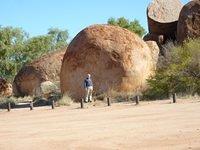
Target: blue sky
(37,16)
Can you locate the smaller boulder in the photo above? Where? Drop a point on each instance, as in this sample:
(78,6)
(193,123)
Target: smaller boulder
(45,68)
(159,39)
(45,89)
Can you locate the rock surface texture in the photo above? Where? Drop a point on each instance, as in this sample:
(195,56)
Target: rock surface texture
(46,68)
(116,58)
(154,52)
(189,21)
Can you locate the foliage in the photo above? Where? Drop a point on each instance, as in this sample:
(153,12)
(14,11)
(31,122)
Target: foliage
(12,42)
(22,99)
(5,100)
(17,49)
(133,26)
(179,72)
(59,37)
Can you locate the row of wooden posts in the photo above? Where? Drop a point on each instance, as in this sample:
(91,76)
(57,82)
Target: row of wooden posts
(137,99)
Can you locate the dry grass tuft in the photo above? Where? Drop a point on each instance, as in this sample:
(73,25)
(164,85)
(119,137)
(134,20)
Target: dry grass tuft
(66,100)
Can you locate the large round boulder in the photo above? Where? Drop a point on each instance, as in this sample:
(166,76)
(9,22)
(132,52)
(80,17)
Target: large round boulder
(189,21)
(30,77)
(162,17)
(116,58)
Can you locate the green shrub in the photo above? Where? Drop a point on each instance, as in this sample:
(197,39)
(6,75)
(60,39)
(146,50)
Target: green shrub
(133,26)
(17,48)
(4,102)
(23,99)
(178,72)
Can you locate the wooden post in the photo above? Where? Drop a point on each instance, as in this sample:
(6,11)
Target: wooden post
(137,98)
(174,97)
(82,106)
(108,101)
(31,105)
(9,107)
(53,104)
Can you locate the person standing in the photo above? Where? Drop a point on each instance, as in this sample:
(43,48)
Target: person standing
(88,85)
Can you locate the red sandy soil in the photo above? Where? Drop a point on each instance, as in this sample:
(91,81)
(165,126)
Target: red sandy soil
(158,125)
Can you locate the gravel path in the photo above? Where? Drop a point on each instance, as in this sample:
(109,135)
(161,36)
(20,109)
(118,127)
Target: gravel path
(151,125)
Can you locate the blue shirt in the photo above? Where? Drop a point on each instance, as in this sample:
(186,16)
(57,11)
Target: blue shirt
(87,83)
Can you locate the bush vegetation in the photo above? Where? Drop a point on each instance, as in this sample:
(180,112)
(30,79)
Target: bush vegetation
(133,26)
(18,49)
(178,72)
(5,100)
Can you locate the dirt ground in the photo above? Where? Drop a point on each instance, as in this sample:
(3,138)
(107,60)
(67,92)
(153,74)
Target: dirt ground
(158,125)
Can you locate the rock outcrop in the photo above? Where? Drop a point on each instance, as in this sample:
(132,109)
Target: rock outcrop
(189,21)
(162,16)
(116,58)
(30,77)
